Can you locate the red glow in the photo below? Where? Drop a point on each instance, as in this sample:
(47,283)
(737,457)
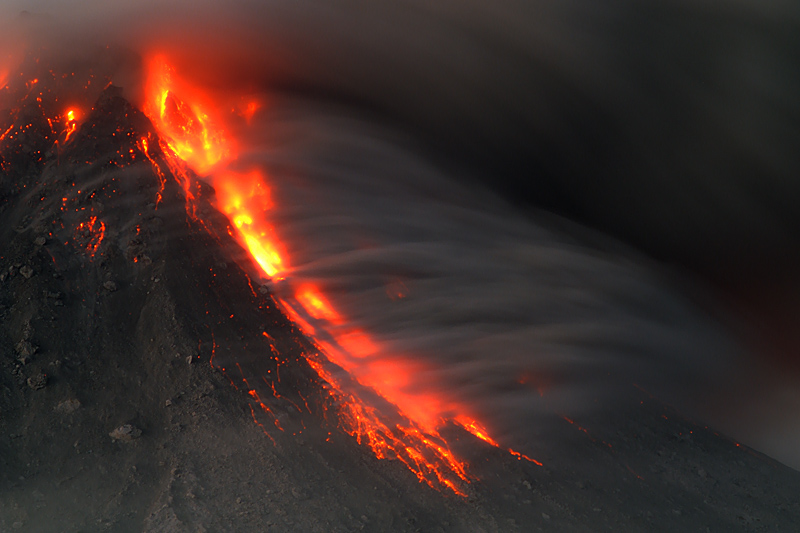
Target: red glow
(473,427)
(6,132)
(396,290)
(90,235)
(536,380)
(245,198)
(316,305)
(357,344)
(70,123)
(187,127)
(249,109)
(192,126)
(144,146)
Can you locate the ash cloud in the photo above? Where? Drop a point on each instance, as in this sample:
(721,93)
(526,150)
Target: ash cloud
(670,125)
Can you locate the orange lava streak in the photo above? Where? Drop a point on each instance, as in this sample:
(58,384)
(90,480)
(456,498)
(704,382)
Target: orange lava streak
(259,424)
(71,124)
(473,427)
(245,198)
(426,455)
(5,133)
(179,170)
(90,234)
(479,431)
(144,147)
(410,432)
(522,456)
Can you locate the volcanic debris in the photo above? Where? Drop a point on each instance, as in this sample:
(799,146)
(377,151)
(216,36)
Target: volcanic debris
(125,433)
(37,381)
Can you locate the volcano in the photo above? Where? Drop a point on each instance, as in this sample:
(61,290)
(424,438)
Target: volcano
(155,379)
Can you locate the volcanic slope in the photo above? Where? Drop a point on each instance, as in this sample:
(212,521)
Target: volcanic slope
(149,383)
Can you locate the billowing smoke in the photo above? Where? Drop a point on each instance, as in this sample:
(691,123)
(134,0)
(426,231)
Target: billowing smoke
(409,145)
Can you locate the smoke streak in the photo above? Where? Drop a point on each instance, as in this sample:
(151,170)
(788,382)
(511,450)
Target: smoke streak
(495,305)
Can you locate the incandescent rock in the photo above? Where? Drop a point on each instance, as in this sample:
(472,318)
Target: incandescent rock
(126,433)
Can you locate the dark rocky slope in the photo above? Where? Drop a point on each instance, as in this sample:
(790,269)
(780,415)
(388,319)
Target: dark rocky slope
(113,301)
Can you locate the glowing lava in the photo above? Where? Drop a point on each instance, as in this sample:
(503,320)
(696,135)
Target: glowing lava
(187,128)
(70,124)
(245,198)
(397,417)
(144,146)
(90,234)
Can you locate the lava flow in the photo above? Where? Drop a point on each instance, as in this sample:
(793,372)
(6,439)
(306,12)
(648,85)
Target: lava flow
(71,124)
(393,416)
(90,234)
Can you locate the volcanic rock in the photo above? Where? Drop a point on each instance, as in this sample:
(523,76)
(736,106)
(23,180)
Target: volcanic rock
(37,381)
(27,331)
(125,433)
(25,351)
(68,407)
